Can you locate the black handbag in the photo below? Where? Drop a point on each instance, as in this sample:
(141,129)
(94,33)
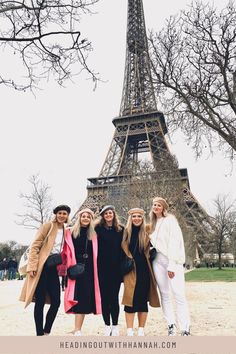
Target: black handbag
(152,254)
(127,265)
(54,260)
(75,271)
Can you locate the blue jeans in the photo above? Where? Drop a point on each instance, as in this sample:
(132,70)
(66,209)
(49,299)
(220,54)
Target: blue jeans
(11,273)
(2,274)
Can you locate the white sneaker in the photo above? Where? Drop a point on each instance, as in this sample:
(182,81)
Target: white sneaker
(130,332)
(141,332)
(185,333)
(77,333)
(107,331)
(172,330)
(115,331)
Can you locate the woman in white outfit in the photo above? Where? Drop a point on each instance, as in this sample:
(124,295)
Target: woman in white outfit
(166,236)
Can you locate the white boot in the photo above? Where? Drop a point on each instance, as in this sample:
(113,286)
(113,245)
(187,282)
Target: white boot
(107,331)
(141,332)
(130,332)
(115,331)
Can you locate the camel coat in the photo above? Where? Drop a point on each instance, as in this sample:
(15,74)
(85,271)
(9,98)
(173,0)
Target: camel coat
(130,278)
(39,252)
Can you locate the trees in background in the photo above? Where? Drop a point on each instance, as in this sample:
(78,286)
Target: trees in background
(37,203)
(11,249)
(224,221)
(45,36)
(233,237)
(193,60)
(38,210)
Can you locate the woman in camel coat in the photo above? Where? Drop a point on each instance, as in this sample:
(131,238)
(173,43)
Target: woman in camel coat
(42,283)
(139,285)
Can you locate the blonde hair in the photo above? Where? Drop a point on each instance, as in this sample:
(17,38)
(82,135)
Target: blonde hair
(152,215)
(76,228)
(141,235)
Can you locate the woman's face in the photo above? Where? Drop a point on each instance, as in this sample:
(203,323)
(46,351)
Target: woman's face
(62,216)
(157,209)
(108,216)
(137,219)
(85,219)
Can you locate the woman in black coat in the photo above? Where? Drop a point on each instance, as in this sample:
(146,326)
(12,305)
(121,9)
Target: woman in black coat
(110,234)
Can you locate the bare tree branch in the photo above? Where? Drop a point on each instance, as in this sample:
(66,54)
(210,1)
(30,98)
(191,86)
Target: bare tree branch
(194,59)
(224,224)
(38,204)
(45,36)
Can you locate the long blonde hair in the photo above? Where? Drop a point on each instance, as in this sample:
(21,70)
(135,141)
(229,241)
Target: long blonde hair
(152,215)
(141,235)
(76,228)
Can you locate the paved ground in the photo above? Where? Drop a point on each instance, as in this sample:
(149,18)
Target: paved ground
(212,308)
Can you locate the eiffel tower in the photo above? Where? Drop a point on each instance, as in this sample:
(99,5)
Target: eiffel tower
(140,128)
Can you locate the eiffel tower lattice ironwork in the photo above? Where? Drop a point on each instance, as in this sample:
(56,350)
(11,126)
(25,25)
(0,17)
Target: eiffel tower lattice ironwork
(139,128)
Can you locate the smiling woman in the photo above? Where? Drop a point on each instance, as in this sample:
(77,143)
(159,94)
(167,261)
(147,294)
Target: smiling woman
(42,281)
(82,294)
(110,233)
(139,283)
(168,268)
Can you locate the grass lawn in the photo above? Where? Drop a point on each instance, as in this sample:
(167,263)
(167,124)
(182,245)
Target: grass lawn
(211,274)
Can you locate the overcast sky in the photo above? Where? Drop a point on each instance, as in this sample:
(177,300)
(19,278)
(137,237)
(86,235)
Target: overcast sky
(64,133)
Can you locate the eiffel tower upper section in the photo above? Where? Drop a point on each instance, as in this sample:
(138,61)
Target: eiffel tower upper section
(138,92)
(139,127)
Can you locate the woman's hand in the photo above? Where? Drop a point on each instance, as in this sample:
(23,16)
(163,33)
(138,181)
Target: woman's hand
(171,274)
(32,273)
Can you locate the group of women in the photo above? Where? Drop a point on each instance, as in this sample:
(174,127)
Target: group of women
(100,254)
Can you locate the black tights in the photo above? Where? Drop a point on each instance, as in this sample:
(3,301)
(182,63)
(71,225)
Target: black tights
(110,302)
(48,284)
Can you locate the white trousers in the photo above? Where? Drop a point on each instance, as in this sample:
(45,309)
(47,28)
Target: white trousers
(175,285)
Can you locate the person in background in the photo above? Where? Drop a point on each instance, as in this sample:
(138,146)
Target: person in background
(166,236)
(62,272)
(42,283)
(3,269)
(82,296)
(139,284)
(12,268)
(110,234)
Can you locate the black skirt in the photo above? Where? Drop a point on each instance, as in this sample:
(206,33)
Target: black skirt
(142,285)
(141,290)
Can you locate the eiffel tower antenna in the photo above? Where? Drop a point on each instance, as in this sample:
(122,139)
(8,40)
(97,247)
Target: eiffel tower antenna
(138,91)
(140,128)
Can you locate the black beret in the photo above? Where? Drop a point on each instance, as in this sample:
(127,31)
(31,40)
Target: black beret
(62,207)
